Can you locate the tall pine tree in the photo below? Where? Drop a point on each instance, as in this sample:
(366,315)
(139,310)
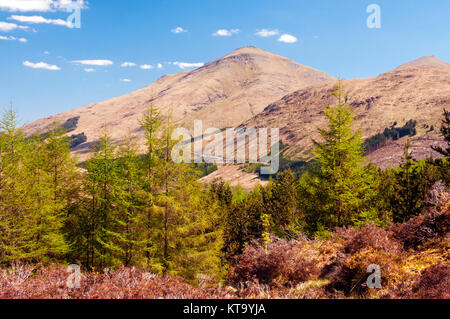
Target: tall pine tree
(340,192)
(101,183)
(31,218)
(151,122)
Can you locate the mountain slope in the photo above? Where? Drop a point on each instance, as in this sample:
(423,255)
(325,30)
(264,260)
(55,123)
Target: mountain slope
(418,91)
(223,93)
(425,61)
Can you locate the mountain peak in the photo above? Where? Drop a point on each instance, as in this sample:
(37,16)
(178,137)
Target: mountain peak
(252,50)
(425,61)
(223,93)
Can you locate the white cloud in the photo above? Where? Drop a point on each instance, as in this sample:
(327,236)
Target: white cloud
(40,20)
(26,5)
(40,5)
(179,30)
(11,38)
(265,33)
(41,65)
(46,52)
(94,62)
(287,38)
(146,67)
(127,64)
(160,66)
(185,65)
(6,26)
(89,70)
(125,80)
(225,32)
(63,5)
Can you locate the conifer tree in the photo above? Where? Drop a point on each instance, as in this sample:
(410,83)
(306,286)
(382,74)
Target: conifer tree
(185,225)
(30,219)
(13,225)
(171,181)
(222,193)
(281,205)
(43,203)
(196,232)
(66,183)
(445,130)
(59,164)
(101,184)
(243,222)
(409,187)
(151,122)
(339,193)
(131,203)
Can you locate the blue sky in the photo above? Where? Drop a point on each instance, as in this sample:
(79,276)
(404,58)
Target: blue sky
(46,66)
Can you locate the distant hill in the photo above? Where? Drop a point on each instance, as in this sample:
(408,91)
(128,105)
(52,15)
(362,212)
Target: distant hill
(425,62)
(251,87)
(223,93)
(417,91)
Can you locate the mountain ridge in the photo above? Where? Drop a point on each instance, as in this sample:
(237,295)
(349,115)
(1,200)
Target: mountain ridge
(424,61)
(240,87)
(413,91)
(223,93)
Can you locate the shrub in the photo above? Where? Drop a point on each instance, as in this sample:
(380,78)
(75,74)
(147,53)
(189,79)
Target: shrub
(313,289)
(434,283)
(361,248)
(256,264)
(369,236)
(414,233)
(28,282)
(284,263)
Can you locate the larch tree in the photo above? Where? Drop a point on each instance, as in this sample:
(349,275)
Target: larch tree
(101,184)
(131,202)
(195,232)
(169,184)
(13,225)
(151,122)
(31,221)
(45,209)
(340,192)
(280,204)
(408,187)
